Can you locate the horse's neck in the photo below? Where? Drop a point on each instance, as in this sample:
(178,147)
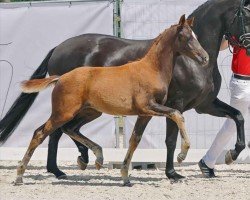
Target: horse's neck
(209,26)
(161,54)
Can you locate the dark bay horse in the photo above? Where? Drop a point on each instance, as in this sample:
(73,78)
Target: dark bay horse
(141,88)
(213,19)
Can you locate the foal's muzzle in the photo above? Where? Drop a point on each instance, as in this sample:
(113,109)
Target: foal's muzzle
(202,59)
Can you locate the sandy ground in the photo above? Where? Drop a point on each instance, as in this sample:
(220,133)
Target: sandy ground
(233,182)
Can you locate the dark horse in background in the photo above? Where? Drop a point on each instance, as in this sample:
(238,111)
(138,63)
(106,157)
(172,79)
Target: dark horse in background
(191,85)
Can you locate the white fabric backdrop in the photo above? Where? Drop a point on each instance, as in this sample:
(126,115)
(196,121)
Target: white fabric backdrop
(145,19)
(33,31)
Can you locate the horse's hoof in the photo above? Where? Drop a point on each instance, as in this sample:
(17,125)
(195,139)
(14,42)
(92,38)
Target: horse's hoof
(173,176)
(18,181)
(127,184)
(81,164)
(228,158)
(63,176)
(58,173)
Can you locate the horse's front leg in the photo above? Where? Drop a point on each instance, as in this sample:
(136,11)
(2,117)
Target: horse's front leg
(171,139)
(135,138)
(221,109)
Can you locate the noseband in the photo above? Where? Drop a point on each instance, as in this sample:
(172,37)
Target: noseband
(244,39)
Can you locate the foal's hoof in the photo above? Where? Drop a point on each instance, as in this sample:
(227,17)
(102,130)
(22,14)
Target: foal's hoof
(99,163)
(98,166)
(18,181)
(181,157)
(127,184)
(228,158)
(81,164)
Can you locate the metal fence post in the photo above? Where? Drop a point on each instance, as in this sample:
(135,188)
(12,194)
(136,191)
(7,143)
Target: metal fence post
(116,18)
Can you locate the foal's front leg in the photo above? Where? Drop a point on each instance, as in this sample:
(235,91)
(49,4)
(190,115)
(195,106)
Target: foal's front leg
(177,117)
(135,138)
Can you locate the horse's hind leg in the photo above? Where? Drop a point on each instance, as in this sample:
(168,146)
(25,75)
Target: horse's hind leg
(177,117)
(135,138)
(72,129)
(52,154)
(39,135)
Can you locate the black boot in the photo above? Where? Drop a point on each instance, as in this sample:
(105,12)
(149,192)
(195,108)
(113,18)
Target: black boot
(206,171)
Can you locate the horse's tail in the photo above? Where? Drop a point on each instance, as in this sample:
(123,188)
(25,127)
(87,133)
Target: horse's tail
(22,104)
(36,85)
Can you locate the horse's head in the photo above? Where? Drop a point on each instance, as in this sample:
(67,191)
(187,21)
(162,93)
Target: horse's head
(187,44)
(238,28)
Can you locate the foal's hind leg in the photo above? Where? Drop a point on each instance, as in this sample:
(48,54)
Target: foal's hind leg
(177,117)
(39,135)
(87,116)
(72,129)
(82,161)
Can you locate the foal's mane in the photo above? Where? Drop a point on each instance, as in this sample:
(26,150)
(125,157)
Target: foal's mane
(160,36)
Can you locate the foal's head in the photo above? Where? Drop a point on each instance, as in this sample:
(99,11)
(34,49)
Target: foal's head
(187,44)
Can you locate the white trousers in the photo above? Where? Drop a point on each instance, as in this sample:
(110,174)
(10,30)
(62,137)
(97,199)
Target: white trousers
(240,99)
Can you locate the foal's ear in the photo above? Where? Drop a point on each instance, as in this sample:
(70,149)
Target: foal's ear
(182,20)
(190,21)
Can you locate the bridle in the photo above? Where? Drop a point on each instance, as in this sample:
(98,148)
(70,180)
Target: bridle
(244,40)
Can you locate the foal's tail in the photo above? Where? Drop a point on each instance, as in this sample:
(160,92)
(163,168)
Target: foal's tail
(36,85)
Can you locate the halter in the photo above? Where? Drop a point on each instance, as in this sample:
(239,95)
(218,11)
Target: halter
(244,39)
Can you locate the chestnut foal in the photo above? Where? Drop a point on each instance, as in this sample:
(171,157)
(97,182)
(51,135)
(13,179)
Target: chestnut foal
(137,88)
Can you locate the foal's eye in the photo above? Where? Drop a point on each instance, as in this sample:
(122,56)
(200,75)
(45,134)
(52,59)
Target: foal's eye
(180,37)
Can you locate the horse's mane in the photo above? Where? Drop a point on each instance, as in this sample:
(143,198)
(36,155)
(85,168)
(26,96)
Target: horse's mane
(207,4)
(202,6)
